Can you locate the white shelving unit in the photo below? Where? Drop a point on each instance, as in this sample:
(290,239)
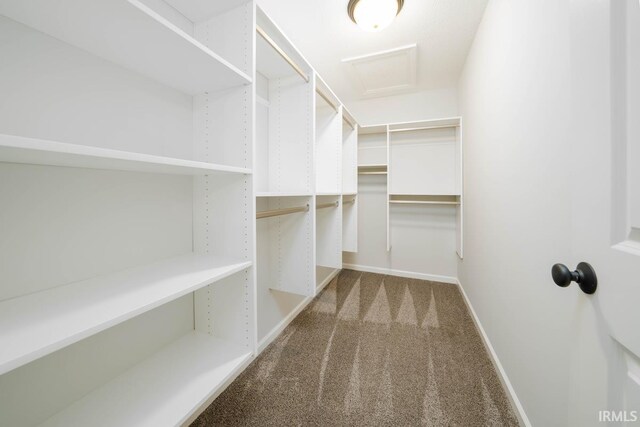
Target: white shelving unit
(349,153)
(151,38)
(425,171)
(286,256)
(349,182)
(328,141)
(141,151)
(328,238)
(350,223)
(329,231)
(37,324)
(284,176)
(372,146)
(160,390)
(425,158)
(284,115)
(126,161)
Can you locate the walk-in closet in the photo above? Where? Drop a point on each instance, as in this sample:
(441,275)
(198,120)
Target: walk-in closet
(319,213)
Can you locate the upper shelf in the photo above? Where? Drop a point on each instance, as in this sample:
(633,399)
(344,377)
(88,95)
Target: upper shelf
(282,194)
(370,130)
(38,324)
(425,125)
(131,34)
(17,149)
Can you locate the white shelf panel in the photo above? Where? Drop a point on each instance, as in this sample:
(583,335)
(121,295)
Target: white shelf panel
(373,165)
(17,149)
(130,34)
(373,129)
(282,194)
(37,324)
(163,390)
(425,125)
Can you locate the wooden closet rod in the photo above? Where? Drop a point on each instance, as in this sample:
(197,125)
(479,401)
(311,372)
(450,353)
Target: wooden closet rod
(283,211)
(327,205)
(348,202)
(373,173)
(423,128)
(326,98)
(282,53)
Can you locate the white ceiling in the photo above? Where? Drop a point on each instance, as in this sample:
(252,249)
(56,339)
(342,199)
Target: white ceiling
(321,29)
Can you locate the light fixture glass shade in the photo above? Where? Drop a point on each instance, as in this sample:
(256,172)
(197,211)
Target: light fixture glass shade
(375,15)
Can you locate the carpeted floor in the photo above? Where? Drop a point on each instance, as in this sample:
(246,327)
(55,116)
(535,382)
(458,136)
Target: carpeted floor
(371,350)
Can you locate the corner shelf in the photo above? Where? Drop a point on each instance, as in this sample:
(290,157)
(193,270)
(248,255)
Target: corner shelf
(17,149)
(142,41)
(38,324)
(165,389)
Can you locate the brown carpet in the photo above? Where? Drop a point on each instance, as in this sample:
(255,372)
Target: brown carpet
(371,350)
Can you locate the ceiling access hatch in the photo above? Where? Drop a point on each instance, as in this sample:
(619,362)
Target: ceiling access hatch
(384,73)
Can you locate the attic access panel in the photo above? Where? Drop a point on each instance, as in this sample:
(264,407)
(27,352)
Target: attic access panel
(385,73)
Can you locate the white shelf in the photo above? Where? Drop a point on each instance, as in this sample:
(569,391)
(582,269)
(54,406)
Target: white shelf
(373,165)
(282,194)
(163,390)
(328,193)
(425,194)
(132,35)
(17,149)
(373,129)
(37,324)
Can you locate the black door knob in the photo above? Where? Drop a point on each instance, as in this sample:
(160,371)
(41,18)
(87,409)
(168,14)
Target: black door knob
(584,276)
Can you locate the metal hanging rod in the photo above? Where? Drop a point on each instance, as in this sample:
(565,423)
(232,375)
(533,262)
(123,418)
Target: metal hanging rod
(283,211)
(327,205)
(424,128)
(326,98)
(348,202)
(423,202)
(282,53)
(373,173)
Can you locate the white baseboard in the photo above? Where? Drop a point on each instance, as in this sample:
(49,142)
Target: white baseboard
(277,330)
(401,273)
(511,393)
(328,279)
(273,334)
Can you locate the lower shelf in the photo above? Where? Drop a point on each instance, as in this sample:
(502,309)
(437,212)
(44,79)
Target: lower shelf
(38,324)
(164,390)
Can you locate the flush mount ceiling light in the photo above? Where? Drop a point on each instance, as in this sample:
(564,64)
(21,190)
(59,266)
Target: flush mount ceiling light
(374,15)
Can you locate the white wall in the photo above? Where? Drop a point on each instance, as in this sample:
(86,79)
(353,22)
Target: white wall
(515,99)
(428,104)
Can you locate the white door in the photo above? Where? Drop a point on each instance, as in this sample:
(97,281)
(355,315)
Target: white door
(605,125)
